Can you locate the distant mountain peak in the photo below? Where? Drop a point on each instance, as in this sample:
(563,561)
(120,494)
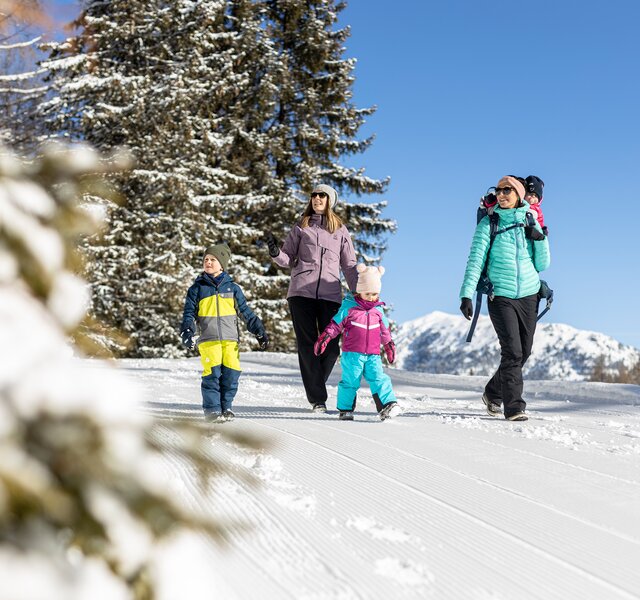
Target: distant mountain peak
(435,343)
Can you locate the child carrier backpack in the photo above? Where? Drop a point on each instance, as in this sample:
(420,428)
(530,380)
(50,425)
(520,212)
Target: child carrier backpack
(487,207)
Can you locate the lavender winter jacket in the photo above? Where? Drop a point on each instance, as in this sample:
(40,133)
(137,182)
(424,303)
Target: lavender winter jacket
(363,325)
(315,257)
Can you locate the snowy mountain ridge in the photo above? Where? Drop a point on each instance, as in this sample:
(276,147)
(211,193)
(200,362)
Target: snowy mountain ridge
(436,343)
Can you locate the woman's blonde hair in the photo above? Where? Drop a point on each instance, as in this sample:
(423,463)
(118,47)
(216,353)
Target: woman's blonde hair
(334,222)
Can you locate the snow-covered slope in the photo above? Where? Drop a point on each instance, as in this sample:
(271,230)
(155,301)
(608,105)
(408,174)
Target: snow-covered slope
(442,502)
(436,343)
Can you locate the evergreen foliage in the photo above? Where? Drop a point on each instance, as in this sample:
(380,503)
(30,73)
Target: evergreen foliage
(617,373)
(233,110)
(21,85)
(86,502)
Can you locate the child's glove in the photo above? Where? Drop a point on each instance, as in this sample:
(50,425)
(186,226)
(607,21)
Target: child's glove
(390,351)
(321,344)
(272,243)
(489,200)
(263,340)
(466,308)
(188,339)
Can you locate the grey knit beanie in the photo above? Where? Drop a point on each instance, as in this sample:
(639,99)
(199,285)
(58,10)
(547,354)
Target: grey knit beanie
(222,252)
(329,191)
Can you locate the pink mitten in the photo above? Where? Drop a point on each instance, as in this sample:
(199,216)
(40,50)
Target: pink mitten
(390,351)
(321,344)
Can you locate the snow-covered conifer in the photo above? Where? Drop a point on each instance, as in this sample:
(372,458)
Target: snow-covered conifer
(151,76)
(22,86)
(86,503)
(233,110)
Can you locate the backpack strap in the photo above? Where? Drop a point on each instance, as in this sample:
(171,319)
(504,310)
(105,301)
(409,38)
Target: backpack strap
(531,220)
(486,285)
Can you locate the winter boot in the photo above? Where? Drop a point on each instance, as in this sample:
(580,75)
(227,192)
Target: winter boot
(214,417)
(493,409)
(389,411)
(228,415)
(319,408)
(519,416)
(346,415)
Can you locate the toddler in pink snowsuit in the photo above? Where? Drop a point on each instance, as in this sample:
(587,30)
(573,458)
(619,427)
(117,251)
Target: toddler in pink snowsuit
(364,329)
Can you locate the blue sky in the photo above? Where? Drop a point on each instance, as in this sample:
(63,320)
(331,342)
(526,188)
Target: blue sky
(470,90)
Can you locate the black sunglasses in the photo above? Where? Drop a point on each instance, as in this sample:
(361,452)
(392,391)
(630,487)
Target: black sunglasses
(503,190)
(319,194)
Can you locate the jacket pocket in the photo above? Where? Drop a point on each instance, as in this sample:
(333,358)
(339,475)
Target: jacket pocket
(302,272)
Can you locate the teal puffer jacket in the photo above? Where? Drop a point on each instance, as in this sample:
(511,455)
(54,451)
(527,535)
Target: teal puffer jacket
(514,261)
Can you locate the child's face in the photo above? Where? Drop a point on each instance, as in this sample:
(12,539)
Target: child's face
(369,296)
(211,265)
(532,198)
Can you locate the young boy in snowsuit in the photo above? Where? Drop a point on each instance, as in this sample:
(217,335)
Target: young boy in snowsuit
(364,329)
(211,308)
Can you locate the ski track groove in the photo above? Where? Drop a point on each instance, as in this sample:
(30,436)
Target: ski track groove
(542,566)
(276,540)
(486,482)
(192,495)
(483,524)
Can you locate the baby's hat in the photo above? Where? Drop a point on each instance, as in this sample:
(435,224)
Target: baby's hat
(535,185)
(369,279)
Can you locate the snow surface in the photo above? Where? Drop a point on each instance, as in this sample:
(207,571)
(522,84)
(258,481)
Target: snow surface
(442,502)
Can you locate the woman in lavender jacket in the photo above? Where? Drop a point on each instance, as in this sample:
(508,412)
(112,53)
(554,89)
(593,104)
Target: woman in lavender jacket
(315,250)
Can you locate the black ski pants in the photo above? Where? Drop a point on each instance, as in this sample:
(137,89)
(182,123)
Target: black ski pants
(515,323)
(310,317)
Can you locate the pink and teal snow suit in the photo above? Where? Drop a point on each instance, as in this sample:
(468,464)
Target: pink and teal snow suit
(364,329)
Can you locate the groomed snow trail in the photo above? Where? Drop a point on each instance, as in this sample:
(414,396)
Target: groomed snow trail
(442,502)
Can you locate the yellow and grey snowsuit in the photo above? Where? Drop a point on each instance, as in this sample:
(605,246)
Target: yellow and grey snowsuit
(212,307)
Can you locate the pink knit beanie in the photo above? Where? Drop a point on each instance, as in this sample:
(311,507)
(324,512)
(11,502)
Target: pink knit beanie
(369,279)
(508,181)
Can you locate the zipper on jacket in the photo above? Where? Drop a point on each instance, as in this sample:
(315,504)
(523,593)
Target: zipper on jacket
(366,343)
(520,229)
(218,313)
(320,274)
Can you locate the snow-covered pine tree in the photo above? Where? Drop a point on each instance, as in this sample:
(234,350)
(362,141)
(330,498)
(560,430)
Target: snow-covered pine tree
(234,110)
(21,85)
(292,127)
(152,76)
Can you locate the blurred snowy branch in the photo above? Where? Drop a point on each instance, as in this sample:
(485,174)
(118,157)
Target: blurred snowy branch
(86,509)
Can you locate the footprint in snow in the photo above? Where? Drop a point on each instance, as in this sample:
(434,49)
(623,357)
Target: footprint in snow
(405,572)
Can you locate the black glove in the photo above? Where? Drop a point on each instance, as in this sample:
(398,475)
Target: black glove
(263,340)
(272,243)
(466,308)
(188,339)
(533,234)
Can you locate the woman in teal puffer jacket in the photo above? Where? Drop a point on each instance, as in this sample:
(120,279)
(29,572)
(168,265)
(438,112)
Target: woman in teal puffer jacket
(518,253)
